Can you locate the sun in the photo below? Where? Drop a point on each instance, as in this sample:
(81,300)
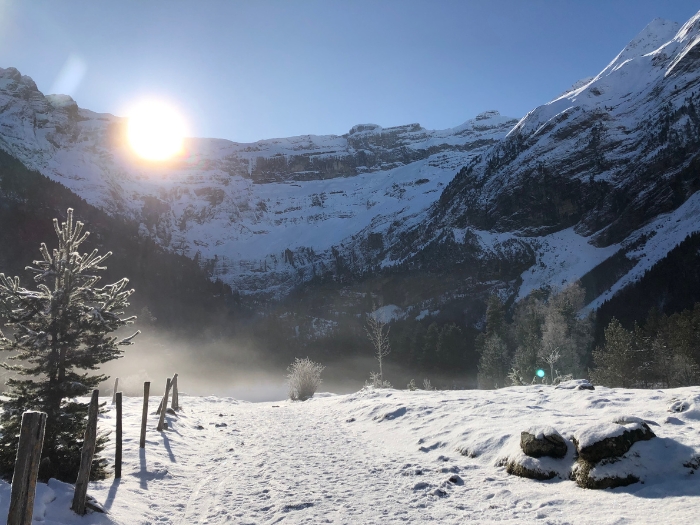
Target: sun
(155,131)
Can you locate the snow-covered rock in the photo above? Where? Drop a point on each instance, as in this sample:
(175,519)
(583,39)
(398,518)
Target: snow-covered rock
(541,441)
(609,440)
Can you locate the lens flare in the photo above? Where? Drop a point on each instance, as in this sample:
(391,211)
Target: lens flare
(540,373)
(155,131)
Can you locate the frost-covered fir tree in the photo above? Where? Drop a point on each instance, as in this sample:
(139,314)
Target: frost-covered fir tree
(60,334)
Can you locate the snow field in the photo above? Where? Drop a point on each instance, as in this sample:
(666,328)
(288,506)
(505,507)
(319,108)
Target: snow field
(386,456)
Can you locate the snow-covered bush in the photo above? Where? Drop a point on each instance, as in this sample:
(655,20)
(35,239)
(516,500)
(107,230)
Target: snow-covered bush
(376,381)
(303,379)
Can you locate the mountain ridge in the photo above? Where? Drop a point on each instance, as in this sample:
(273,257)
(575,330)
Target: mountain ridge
(603,167)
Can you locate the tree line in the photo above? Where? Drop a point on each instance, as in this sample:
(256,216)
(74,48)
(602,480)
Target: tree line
(546,334)
(663,352)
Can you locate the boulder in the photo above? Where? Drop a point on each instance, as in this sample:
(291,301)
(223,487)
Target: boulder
(606,444)
(540,442)
(538,456)
(583,474)
(608,440)
(525,470)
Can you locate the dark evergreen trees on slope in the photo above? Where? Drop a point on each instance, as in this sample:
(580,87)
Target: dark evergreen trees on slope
(616,362)
(494,362)
(60,334)
(663,353)
(174,288)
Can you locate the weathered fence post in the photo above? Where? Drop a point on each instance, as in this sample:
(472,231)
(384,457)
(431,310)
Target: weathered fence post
(173,386)
(31,441)
(144,417)
(164,405)
(81,484)
(175,401)
(118,451)
(114,394)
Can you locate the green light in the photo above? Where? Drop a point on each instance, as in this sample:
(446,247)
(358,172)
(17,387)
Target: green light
(540,373)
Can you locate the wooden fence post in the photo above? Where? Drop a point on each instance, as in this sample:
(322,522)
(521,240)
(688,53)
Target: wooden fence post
(81,484)
(173,386)
(175,401)
(144,417)
(118,451)
(164,406)
(31,441)
(114,393)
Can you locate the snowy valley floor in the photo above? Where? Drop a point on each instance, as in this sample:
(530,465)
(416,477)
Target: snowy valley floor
(379,456)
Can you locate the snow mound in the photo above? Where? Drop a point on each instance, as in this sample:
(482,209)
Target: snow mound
(575,384)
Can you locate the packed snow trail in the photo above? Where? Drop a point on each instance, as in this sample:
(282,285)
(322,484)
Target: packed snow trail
(273,463)
(385,456)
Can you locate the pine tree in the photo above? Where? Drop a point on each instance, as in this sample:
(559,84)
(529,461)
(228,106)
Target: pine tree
(616,363)
(60,333)
(451,347)
(495,359)
(527,332)
(430,345)
(564,333)
(494,362)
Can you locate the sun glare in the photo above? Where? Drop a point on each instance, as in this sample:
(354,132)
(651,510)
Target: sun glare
(156,131)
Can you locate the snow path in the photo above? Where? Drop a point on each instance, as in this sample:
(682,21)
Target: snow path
(270,463)
(385,456)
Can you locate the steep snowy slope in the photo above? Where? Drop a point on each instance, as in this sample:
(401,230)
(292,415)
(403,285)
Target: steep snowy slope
(255,211)
(600,156)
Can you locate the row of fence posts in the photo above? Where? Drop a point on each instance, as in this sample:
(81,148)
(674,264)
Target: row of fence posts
(31,441)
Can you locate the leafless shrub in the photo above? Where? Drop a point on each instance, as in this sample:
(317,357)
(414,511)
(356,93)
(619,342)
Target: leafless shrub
(303,379)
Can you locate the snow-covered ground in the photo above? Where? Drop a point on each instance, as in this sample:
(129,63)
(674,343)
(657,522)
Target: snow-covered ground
(385,456)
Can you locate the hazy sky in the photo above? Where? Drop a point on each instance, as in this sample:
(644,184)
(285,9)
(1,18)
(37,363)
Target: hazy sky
(261,69)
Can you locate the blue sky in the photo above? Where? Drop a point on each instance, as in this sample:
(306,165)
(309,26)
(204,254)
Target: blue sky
(252,70)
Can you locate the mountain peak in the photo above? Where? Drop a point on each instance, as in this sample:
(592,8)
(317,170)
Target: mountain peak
(489,114)
(657,32)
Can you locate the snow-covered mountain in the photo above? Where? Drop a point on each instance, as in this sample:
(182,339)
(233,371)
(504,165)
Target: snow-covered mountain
(609,168)
(261,212)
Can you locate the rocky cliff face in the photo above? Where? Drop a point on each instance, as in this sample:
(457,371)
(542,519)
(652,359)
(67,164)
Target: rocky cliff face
(263,216)
(610,167)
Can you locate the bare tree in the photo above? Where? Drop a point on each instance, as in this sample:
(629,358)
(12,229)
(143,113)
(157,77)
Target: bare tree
(551,358)
(378,333)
